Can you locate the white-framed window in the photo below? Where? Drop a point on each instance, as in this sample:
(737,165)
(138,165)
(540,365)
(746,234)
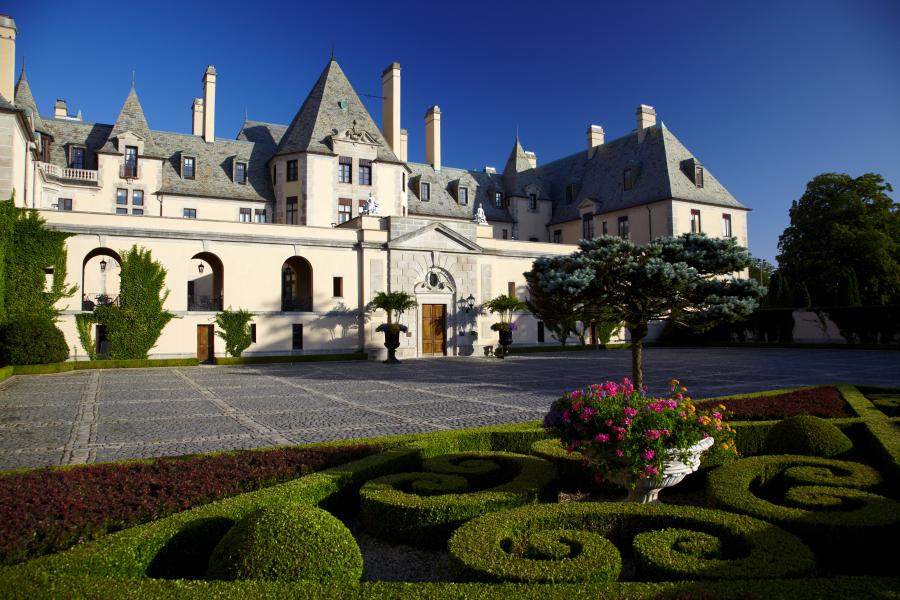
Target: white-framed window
(345,210)
(498,199)
(64,204)
(726,225)
(189,213)
(345,169)
(260,215)
(365,172)
(424,192)
(245,215)
(76,161)
(695,221)
(464,196)
(624,228)
(240,173)
(188,167)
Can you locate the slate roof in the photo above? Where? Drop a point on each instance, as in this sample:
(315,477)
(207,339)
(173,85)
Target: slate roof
(517,173)
(131,118)
(64,131)
(25,99)
(260,132)
(443,193)
(322,116)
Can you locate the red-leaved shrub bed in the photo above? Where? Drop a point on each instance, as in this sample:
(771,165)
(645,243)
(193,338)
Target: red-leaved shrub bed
(825,402)
(49,510)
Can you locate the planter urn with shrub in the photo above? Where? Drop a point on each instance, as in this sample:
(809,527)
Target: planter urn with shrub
(504,307)
(394,304)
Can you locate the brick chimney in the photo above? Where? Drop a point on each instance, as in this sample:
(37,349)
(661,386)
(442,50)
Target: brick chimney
(209,104)
(197,116)
(433,137)
(595,137)
(390,108)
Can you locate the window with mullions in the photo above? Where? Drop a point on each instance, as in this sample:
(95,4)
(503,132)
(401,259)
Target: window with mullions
(131,161)
(424,192)
(365,172)
(64,204)
(189,213)
(244,215)
(464,196)
(291,170)
(290,213)
(77,161)
(726,225)
(587,227)
(345,170)
(260,215)
(240,173)
(532,202)
(188,168)
(624,228)
(695,221)
(345,210)
(121,196)
(498,199)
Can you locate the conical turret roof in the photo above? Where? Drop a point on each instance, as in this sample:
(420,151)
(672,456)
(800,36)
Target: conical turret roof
(25,99)
(332,107)
(131,118)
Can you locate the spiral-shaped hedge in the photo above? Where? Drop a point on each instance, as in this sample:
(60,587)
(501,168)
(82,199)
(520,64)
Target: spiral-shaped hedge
(829,503)
(581,542)
(424,508)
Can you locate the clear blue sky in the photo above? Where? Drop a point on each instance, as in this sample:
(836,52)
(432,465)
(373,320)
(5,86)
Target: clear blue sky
(766,94)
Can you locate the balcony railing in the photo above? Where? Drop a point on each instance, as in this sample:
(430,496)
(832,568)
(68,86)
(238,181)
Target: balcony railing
(67,175)
(127,171)
(90,301)
(296,304)
(204,303)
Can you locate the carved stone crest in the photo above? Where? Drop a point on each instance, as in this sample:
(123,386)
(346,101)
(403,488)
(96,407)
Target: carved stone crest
(356,135)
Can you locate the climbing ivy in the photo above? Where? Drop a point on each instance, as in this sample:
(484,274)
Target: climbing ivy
(84,322)
(134,325)
(234,328)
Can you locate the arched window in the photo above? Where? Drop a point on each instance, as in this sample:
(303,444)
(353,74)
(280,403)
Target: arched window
(206,283)
(100,272)
(296,285)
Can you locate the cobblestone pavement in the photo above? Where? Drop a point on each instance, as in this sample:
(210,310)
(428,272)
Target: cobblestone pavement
(93,416)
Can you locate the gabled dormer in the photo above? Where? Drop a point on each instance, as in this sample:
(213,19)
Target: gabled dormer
(464,189)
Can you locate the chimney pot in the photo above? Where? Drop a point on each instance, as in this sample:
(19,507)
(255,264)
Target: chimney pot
(60,110)
(646,117)
(404,145)
(197,116)
(490,170)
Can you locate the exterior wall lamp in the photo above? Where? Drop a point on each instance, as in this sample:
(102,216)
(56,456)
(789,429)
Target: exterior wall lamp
(103,265)
(470,303)
(200,268)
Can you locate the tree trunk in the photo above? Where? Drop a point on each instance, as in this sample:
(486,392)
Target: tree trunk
(638,333)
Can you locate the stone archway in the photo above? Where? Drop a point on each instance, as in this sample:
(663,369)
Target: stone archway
(436,300)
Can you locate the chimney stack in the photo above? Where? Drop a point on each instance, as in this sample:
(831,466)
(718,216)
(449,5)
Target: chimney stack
(433,137)
(531,157)
(490,170)
(404,145)
(390,108)
(595,137)
(7,57)
(209,104)
(197,114)
(646,117)
(60,110)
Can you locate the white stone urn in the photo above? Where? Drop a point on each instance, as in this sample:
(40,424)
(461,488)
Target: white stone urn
(674,470)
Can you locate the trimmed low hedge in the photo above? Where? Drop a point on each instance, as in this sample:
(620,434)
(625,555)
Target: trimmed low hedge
(829,508)
(424,508)
(137,363)
(534,544)
(6,372)
(259,360)
(287,542)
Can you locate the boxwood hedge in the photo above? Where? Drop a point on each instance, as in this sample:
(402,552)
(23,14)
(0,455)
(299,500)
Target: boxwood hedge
(572,543)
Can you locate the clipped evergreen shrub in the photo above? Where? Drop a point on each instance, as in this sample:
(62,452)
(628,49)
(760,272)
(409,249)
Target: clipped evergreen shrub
(808,436)
(573,543)
(889,404)
(423,509)
(31,342)
(287,542)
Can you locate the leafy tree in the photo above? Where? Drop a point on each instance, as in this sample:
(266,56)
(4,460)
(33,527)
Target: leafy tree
(135,324)
(839,225)
(394,304)
(234,329)
(685,279)
(801,297)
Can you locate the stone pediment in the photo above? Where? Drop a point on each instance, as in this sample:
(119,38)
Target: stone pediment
(434,237)
(355,135)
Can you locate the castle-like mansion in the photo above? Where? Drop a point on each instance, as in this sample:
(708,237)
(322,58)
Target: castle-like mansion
(303,223)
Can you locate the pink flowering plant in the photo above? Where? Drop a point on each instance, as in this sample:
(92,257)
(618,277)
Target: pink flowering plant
(618,428)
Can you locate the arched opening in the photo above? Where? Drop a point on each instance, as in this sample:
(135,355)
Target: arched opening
(296,285)
(206,283)
(100,272)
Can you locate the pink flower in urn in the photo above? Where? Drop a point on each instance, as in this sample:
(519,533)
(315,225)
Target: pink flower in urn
(629,412)
(626,422)
(648,454)
(601,437)
(651,470)
(619,452)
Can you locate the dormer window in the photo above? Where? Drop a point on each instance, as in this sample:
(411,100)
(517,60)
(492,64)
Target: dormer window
(532,202)
(188,167)
(629,178)
(570,193)
(498,199)
(76,157)
(463,196)
(693,170)
(424,192)
(240,172)
(131,161)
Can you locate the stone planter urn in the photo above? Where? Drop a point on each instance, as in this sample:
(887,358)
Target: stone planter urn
(392,342)
(674,471)
(505,341)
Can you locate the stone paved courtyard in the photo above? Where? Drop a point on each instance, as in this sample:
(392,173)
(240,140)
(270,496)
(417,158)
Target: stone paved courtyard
(93,416)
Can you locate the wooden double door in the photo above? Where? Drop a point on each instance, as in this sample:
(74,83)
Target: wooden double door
(434,327)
